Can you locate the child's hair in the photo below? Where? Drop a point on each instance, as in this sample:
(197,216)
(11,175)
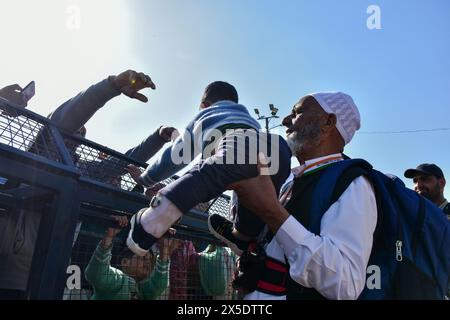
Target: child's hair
(220,90)
(126,253)
(118,253)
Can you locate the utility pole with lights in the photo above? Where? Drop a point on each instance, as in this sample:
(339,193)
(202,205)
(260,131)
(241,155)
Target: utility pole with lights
(273,112)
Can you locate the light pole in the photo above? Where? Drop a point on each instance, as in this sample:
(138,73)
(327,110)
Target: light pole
(273,112)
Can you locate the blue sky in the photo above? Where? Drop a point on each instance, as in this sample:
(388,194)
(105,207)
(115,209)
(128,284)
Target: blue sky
(272,51)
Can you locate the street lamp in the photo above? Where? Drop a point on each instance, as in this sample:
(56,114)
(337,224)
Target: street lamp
(273,112)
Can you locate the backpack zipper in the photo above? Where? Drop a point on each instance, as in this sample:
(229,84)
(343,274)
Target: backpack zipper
(398,250)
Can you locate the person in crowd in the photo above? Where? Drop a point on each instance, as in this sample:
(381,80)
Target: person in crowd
(429,181)
(201,275)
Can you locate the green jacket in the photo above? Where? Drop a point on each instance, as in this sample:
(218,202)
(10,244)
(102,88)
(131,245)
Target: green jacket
(216,270)
(110,283)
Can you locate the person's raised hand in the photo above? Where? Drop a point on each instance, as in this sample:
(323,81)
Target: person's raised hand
(13,93)
(122,222)
(167,132)
(130,82)
(134,172)
(167,244)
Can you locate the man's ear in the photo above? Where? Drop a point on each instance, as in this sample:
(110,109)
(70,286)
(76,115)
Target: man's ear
(442,182)
(331,120)
(329,123)
(204,104)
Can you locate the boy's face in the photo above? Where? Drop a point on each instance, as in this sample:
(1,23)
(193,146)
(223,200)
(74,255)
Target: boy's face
(138,267)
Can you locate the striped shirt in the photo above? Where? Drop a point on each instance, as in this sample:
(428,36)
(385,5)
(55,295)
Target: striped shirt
(220,116)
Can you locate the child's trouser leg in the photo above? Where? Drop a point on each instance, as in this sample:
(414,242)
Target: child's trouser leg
(150,224)
(159,217)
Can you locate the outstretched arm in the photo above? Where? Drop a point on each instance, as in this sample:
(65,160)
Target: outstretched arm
(151,145)
(74,113)
(174,158)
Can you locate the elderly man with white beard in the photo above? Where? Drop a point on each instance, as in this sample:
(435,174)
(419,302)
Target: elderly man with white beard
(331,264)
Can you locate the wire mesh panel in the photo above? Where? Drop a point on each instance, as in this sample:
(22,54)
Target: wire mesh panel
(187,267)
(26,134)
(98,164)
(201,270)
(93,161)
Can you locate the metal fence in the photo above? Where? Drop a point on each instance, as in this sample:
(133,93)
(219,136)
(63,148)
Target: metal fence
(58,193)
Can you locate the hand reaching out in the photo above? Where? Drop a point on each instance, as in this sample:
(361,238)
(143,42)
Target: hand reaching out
(167,133)
(167,244)
(134,172)
(13,94)
(130,82)
(122,221)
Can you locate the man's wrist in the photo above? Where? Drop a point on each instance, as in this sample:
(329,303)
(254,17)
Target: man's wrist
(274,218)
(142,182)
(148,182)
(112,81)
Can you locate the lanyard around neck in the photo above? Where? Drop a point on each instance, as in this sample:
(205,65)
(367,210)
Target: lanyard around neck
(315,166)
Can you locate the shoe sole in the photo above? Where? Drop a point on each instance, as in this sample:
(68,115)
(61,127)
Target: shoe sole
(230,244)
(133,246)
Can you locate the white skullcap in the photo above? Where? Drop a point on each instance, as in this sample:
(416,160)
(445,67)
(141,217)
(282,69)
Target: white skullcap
(342,105)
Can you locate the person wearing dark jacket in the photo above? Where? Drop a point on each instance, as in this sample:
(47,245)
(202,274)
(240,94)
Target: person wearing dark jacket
(429,181)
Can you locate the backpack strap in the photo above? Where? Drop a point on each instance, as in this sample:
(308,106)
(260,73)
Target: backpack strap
(345,180)
(332,184)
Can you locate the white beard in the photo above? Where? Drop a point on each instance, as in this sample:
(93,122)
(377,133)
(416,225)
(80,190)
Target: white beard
(307,136)
(295,143)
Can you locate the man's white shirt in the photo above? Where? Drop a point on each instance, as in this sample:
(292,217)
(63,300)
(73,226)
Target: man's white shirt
(334,262)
